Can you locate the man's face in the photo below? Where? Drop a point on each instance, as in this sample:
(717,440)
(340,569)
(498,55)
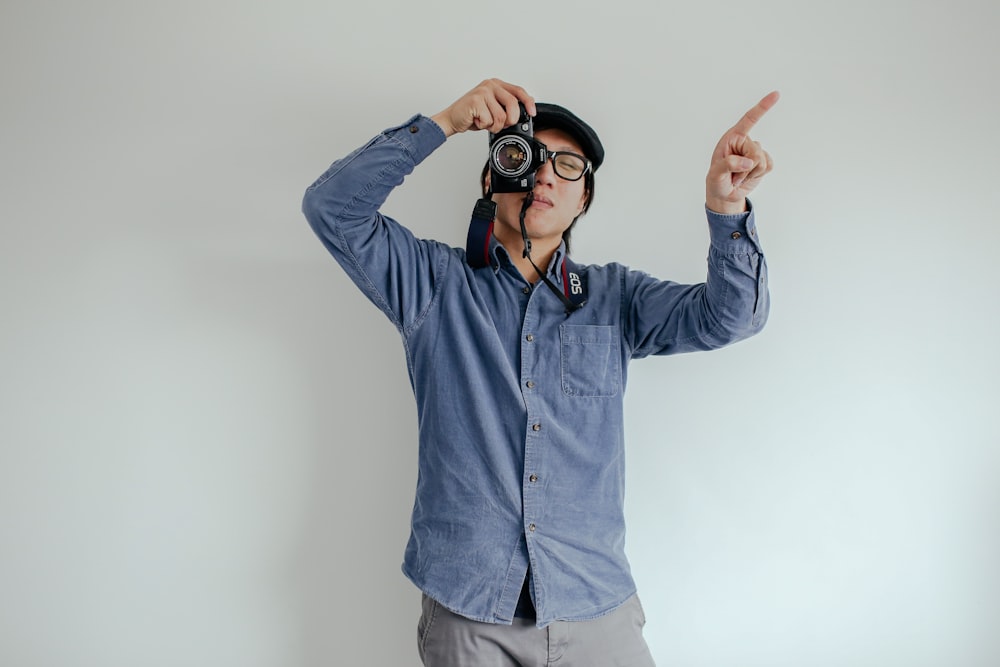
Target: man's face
(556,204)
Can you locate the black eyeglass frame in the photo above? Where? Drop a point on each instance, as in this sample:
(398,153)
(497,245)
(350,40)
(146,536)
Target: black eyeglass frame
(552,155)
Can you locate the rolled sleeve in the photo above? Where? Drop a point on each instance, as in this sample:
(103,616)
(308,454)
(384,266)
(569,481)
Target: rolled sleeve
(420,136)
(734,234)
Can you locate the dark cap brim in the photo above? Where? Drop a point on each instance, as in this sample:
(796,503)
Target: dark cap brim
(553,116)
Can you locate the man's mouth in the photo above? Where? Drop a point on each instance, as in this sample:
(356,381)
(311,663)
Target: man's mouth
(539,200)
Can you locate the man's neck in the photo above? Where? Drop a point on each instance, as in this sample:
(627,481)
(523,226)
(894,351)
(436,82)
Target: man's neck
(540,255)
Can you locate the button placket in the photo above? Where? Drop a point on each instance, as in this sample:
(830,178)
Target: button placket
(532,492)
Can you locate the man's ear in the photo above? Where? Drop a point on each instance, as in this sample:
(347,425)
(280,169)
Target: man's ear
(486,184)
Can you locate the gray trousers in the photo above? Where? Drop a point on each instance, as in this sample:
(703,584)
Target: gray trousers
(446,639)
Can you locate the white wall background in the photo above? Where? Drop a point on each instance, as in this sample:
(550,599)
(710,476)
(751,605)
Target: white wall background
(206,433)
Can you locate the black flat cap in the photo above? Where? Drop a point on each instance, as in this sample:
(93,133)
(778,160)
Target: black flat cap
(553,116)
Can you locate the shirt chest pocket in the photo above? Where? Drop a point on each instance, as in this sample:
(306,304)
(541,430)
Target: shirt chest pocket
(589,361)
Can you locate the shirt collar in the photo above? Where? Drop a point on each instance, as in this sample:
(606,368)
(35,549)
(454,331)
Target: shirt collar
(500,256)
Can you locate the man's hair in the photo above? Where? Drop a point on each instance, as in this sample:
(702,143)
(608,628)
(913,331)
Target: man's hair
(588,188)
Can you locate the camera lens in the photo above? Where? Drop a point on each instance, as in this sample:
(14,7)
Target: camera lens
(511,156)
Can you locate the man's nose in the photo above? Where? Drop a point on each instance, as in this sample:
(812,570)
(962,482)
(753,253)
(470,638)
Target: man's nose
(546,173)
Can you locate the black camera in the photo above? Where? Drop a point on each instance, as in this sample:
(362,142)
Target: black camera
(515,156)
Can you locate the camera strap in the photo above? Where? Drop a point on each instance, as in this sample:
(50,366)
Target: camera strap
(477,254)
(477,243)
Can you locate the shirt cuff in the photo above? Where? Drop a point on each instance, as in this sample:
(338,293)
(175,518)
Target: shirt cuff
(734,234)
(420,136)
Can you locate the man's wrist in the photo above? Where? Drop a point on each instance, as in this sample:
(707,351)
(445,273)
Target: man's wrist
(723,207)
(441,120)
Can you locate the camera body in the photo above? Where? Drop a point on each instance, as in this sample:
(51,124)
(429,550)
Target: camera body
(515,156)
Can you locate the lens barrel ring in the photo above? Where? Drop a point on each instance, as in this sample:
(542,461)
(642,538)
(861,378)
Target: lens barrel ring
(510,156)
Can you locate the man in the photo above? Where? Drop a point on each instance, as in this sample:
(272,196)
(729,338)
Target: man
(518,360)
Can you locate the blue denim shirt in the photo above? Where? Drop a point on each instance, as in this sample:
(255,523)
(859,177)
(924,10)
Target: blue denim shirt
(521,455)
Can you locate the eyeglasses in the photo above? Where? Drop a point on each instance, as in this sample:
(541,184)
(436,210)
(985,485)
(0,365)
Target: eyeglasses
(568,166)
(513,156)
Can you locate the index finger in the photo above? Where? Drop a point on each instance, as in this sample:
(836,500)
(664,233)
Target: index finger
(524,97)
(750,118)
(503,93)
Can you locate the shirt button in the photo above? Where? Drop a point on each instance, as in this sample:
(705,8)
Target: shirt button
(533,478)
(527,290)
(735,235)
(529,384)
(536,427)
(531,527)
(414,129)
(529,337)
